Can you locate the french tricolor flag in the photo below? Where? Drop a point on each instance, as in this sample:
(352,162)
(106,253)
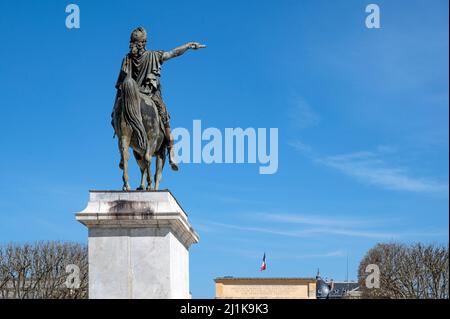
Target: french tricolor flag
(264,265)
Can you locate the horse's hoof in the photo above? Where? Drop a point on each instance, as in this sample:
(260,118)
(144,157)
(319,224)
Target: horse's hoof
(174,166)
(140,188)
(126,188)
(149,188)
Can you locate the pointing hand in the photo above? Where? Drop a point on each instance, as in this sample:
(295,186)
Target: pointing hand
(196,45)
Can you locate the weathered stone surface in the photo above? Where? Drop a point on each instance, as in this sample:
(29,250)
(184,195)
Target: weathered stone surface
(138,245)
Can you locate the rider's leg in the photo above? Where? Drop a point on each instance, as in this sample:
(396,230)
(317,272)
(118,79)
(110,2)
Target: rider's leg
(162,110)
(169,137)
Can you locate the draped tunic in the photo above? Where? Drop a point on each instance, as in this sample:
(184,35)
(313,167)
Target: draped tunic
(145,70)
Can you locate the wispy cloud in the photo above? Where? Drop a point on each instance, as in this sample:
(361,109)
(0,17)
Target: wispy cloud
(278,254)
(235,200)
(371,168)
(314,220)
(311,232)
(334,253)
(304,226)
(302,114)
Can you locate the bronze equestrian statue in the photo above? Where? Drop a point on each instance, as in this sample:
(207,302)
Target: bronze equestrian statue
(140,118)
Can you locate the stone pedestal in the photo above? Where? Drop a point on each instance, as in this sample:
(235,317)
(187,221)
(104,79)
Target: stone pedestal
(138,245)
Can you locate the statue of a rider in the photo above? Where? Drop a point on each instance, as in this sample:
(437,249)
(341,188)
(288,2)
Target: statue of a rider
(144,66)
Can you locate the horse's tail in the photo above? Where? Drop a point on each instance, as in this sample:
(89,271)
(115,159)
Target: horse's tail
(132,111)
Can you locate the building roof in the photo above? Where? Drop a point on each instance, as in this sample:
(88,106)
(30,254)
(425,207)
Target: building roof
(341,288)
(231,278)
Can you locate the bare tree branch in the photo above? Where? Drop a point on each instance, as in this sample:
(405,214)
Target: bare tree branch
(39,270)
(408,272)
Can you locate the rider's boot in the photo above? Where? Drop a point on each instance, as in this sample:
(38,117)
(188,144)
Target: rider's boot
(172,162)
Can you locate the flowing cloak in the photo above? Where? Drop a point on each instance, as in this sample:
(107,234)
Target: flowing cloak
(145,71)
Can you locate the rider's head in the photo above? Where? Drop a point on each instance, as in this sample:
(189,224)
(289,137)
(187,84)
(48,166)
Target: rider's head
(138,40)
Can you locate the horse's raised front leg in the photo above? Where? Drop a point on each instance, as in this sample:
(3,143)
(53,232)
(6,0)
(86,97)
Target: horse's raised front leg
(124,144)
(160,160)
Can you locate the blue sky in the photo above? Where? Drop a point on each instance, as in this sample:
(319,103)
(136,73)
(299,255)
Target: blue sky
(362,117)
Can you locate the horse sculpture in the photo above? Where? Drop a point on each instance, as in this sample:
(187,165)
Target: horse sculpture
(138,122)
(137,125)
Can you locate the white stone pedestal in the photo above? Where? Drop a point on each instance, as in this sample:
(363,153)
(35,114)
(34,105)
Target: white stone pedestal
(138,245)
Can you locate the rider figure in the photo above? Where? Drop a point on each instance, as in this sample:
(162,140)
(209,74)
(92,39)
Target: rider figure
(144,66)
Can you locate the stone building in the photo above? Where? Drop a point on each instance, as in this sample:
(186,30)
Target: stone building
(265,288)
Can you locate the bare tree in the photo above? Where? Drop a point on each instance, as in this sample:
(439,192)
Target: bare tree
(39,270)
(406,272)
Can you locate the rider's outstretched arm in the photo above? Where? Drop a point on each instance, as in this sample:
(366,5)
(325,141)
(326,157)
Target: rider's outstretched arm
(181,49)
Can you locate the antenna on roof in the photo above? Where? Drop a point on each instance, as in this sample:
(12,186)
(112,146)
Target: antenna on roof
(346,278)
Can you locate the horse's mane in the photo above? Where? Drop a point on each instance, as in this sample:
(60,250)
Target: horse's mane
(132,111)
